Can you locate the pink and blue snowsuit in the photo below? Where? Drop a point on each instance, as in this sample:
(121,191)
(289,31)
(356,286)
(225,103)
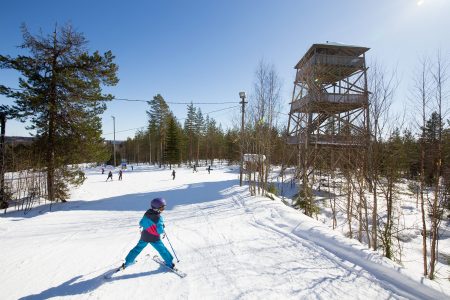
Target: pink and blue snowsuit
(153,226)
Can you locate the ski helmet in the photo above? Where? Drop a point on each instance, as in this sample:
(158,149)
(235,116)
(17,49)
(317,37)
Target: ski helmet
(158,203)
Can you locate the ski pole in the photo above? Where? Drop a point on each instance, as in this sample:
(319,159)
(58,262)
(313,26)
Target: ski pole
(172,248)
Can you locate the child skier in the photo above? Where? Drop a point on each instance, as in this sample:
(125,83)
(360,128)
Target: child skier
(109,176)
(153,227)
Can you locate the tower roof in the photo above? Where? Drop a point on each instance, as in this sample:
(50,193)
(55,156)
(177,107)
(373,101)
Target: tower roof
(331,48)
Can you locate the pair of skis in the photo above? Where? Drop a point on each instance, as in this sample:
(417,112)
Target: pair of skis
(157,259)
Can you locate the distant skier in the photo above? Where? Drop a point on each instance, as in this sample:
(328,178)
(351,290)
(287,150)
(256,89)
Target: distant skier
(109,176)
(103,170)
(131,168)
(209,169)
(152,224)
(195,169)
(173,175)
(120,174)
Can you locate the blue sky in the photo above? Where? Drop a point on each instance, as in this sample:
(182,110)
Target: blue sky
(207,51)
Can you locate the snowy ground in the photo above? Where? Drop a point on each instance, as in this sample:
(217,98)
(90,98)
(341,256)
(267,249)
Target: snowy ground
(231,245)
(408,222)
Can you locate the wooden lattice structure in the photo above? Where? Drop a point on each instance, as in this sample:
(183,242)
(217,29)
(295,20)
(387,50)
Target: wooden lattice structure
(329,108)
(330,98)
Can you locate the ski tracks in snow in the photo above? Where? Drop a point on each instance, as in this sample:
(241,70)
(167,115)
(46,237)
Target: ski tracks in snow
(207,246)
(387,282)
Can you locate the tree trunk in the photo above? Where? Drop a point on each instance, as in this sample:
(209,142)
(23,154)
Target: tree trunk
(388,225)
(422,169)
(366,216)
(360,219)
(198,150)
(50,155)
(349,208)
(375,215)
(440,78)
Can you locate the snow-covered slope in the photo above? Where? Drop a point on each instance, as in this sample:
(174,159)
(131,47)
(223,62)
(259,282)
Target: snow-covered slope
(230,244)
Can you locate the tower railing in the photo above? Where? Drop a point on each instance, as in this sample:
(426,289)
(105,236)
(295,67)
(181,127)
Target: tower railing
(307,102)
(351,63)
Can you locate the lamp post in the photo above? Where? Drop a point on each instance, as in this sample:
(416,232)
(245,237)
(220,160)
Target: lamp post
(242,96)
(114,142)
(3,200)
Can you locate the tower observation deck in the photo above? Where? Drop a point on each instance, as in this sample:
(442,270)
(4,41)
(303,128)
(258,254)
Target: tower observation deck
(330,98)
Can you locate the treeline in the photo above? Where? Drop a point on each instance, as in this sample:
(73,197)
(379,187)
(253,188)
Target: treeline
(166,141)
(199,140)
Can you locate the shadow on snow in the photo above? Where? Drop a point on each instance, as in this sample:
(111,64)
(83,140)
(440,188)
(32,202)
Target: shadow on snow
(184,194)
(71,287)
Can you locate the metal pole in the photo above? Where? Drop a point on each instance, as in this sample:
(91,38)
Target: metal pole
(3,201)
(172,248)
(114,142)
(242,95)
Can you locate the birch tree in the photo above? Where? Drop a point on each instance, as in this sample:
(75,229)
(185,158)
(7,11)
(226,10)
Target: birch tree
(382,86)
(440,77)
(263,116)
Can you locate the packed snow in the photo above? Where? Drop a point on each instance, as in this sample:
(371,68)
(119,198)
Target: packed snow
(231,245)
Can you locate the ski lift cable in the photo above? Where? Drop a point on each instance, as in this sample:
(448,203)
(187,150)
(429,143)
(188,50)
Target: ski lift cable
(168,102)
(177,102)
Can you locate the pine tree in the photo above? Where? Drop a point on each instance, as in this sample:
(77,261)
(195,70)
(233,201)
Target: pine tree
(199,125)
(232,146)
(446,163)
(60,94)
(210,125)
(431,139)
(189,128)
(412,152)
(158,114)
(172,150)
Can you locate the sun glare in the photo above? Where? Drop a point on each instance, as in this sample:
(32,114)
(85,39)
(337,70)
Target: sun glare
(420,2)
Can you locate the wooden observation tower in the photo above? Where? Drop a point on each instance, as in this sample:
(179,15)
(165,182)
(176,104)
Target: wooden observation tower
(329,108)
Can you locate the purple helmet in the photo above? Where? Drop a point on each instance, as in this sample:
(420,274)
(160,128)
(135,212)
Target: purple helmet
(157,203)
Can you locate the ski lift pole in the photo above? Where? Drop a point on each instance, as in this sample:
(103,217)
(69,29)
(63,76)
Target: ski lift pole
(172,248)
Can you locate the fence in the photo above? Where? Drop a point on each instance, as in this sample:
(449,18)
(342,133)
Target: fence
(25,189)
